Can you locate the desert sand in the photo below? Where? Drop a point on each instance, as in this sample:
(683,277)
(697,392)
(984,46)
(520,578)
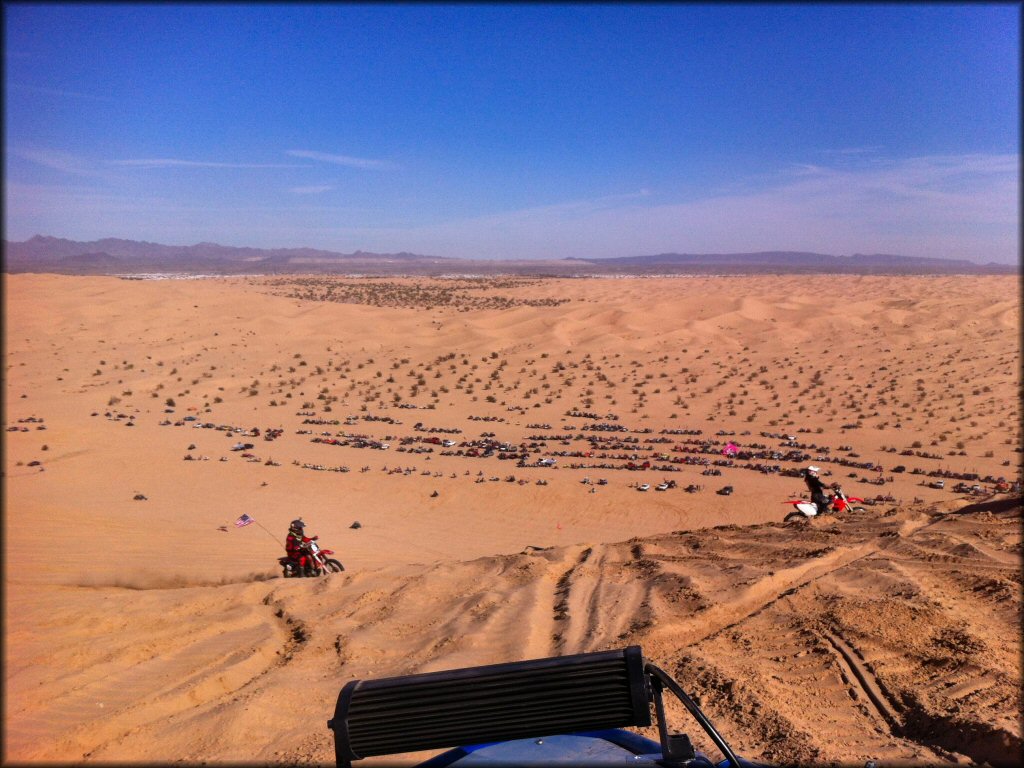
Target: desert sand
(142,625)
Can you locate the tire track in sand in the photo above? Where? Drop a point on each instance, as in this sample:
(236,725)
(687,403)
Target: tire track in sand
(202,662)
(864,684)
(599,600)
(759,596)
(562,601)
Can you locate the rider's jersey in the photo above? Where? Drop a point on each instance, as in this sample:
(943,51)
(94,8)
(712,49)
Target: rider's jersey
(814,485)
(293,544)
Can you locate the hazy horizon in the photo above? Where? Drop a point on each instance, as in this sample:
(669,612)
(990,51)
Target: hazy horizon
(518,132)
(300,247)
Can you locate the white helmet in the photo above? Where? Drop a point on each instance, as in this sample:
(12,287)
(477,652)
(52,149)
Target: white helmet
(813,469)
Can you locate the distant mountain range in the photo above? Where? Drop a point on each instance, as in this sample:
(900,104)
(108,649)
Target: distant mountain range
(112,256)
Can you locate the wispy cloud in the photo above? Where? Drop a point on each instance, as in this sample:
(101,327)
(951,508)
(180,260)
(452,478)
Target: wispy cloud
(76,210)
(952,206)
(852,151)
(168,162)
(59,160)
(55,159)
(963,206)
(351,162)
(312,190)
(60,92)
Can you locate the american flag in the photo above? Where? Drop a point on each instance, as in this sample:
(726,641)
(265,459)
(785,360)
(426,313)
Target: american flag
(243,521)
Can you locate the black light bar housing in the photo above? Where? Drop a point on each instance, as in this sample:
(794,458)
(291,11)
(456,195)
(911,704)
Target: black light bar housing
(497,702)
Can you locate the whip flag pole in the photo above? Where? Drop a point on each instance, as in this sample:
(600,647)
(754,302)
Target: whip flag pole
(245,519)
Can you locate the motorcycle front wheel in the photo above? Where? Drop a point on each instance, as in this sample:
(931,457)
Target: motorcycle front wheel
(334,566)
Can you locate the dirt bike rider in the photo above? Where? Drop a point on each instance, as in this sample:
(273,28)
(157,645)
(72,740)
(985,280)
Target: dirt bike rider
(817,488)
(296,543)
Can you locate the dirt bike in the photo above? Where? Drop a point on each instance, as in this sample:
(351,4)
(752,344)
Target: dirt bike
(840,502)
(317,562)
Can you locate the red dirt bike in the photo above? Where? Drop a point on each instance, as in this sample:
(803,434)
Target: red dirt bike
(840,502)
(317,562)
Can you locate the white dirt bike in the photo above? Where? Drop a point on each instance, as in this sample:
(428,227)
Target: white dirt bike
(840,502)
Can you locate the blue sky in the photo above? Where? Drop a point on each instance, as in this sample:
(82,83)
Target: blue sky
(518,131)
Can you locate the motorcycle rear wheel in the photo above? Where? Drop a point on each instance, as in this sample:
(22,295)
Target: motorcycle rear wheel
(334,566)
(794,516)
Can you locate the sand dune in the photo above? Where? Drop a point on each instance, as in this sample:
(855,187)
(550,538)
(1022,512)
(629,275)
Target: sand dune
(154,629)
